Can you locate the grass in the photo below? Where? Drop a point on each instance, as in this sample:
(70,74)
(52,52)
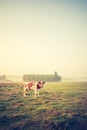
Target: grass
(60,106)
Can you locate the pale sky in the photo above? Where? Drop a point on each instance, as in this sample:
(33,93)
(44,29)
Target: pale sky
(43,36)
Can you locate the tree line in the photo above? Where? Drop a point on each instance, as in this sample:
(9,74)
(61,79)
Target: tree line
(40,77)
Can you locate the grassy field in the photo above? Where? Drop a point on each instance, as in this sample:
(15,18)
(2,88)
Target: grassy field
(60,106)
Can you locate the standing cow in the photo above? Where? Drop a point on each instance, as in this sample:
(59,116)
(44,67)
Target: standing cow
(31,86)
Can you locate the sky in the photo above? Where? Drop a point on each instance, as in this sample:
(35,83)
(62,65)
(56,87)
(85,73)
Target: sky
(43,36)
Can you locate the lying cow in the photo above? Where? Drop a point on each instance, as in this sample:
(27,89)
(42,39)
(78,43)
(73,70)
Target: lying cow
(31,86)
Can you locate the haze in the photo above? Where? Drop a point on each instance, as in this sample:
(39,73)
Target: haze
(43,36)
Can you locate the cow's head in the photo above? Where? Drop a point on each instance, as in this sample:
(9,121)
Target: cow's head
(40,85)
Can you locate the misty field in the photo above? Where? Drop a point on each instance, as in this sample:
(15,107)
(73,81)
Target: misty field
(60,106)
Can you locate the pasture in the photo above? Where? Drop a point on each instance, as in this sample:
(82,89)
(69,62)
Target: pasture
(60,106)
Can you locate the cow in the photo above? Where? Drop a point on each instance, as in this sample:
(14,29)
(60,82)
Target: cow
(32,86)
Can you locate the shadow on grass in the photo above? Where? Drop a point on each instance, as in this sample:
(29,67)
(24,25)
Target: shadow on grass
(20,122)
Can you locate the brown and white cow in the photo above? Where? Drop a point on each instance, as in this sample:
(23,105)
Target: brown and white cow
(31,86)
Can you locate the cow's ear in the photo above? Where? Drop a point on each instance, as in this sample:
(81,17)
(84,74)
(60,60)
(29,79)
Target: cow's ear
(43,82)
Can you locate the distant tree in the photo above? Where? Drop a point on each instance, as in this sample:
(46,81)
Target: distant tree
(3,77)
(56,77)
